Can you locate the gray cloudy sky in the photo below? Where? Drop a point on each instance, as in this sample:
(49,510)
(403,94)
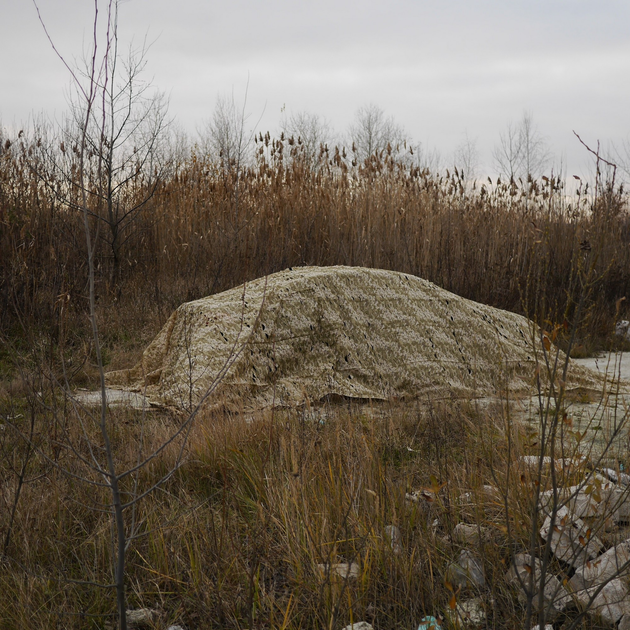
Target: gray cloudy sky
(441,68)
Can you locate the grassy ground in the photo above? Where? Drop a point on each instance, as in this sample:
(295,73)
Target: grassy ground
(235,537)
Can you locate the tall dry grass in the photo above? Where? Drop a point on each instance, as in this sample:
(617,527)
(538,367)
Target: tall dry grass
(239,536)
(208,228)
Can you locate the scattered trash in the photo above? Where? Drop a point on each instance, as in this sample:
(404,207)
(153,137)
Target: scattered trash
(467,614)
(622,329)
(492,492)
(345,570)
(599,503)
(602,568)
(467,572)
(597,497)
(141,617)
(611,603)
(360,625)
(392,533)
(616,477)
(429,623)
(533,461)
(113,398)
(418,496)
(572,541)
(525,575)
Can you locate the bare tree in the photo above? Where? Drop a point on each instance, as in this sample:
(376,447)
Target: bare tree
(430,159)
(124,129)
(115,139)
(622,156)
(522,152)
(225,136)
(508,157)
(373,132)
(466,158)
(536,153)
(309,131)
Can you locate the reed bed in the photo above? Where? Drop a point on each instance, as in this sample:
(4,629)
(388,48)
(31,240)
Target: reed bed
(207,227)
(240,535)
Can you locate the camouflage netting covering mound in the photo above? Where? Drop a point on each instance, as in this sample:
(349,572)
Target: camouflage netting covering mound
(307,333)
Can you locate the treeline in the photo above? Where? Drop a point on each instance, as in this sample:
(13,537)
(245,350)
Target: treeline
(179,223)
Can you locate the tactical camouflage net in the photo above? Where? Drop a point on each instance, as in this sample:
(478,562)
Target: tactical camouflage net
(311,332)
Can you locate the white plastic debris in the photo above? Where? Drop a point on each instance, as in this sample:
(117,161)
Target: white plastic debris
(617,477)
(467,614)
(525,575)
(612,602)
(464,533)
(360,625)
(571,540)
(421,496)
(345,570)
(614,563)
(600,497)
(595,498)
(141,617)
(392,534)
(492,492)
(533,461)
(622,329)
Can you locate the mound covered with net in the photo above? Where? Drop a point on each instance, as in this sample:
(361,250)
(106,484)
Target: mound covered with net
(315,332)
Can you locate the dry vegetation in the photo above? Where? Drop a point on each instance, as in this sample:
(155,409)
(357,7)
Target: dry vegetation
(235,537)
(206,227)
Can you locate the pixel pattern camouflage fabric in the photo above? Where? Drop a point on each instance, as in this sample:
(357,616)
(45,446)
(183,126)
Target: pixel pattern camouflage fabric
(311,332)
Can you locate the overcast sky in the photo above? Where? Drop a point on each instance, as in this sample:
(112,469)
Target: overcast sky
(444,69)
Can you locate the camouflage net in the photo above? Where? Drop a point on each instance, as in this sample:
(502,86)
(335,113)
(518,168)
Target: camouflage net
(312,332)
